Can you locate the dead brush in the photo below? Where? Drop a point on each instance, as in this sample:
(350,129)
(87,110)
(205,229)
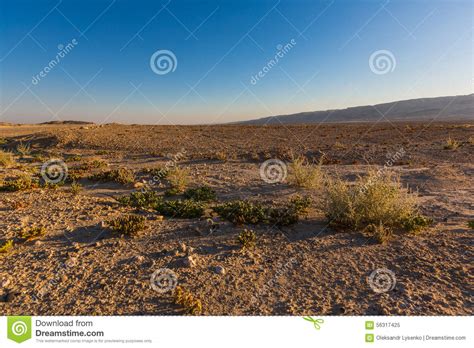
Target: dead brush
(451,144)
(178,179)
(379,232)
(377,198)
(188,301)
(23,149)
(304,175)
(6,159)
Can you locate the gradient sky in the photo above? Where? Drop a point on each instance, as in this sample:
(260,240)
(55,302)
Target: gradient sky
(219,46)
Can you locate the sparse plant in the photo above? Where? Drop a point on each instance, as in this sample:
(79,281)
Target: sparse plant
(73,158)
(157,173)
(178,178)
(122,176)
(372,199)
(416,222)
(202,194)
(187,208)
(76,188)
(32,233)
(128,224)
(470,224)
(451,144)
(6,159)
(188,301)
(145,199)
(247,238)
(3,141)
(23,149)
(22,183)
(381,233)
(6,246)
(246,212)
(304,175)
(339,146)
(219,155)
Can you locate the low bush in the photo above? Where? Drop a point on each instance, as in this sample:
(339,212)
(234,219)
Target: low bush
(304,175)
(122,176)
(32,233)
(247,238)
(6,159)
(22,183)
(188,301)
(6,246)
(128,224)
(202,194)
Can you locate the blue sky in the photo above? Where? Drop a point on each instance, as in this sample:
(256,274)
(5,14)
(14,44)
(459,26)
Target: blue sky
(219,46)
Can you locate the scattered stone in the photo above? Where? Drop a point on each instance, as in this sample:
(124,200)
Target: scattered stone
(189,261)
(4,283)
(139,258)
(182,247)
(138,185)
(38,243)
(219,270)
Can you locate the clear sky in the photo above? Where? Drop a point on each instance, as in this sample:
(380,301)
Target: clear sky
(224,67)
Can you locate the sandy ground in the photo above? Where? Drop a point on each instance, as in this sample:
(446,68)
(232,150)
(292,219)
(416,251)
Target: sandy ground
(79,267)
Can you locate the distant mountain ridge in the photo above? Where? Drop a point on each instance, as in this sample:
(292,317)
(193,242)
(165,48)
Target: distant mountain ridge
(421,109)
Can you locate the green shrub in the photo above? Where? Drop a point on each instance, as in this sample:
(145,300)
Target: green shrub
(247,238)
(187,209)
(470,224)
(22,183)
(416,222)
(32,233)
(145,199)
(203,194)
(246,212)
(128,224)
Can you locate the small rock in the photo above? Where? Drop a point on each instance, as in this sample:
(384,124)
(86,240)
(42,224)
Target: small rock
(4,283)
(64,278)
(139,258)
(182,247)
(219,270)
(189,261)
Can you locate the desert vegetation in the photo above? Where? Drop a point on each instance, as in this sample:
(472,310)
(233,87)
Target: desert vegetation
(226,233)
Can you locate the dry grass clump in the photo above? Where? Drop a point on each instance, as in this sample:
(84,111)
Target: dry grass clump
(23,149)
(6,246)
(6,159)
(303,174)
(188,301)
(178,178)
(372,201)
(76,188)
(128,224)
(451,144)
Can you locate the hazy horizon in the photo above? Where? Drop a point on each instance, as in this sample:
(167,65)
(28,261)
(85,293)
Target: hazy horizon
(224,65)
